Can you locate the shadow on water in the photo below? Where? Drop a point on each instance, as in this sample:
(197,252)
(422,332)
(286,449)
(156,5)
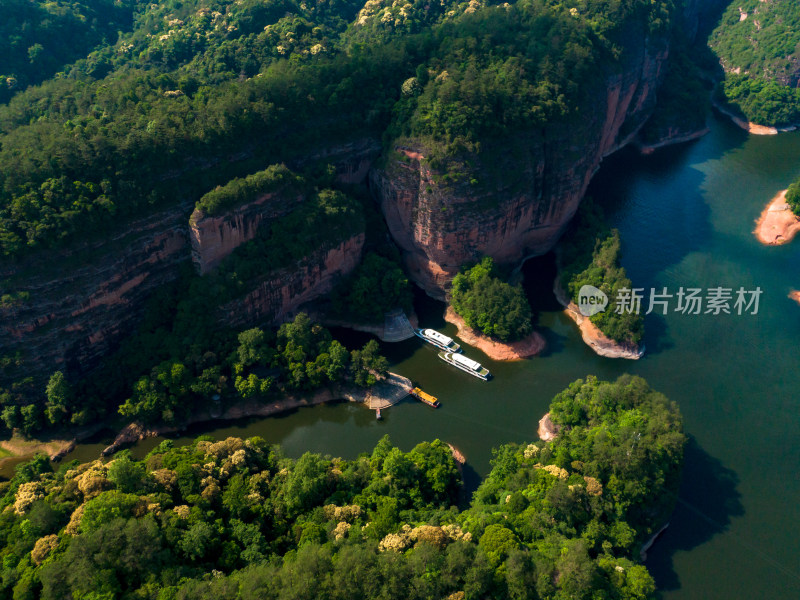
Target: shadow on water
(471,480)
(707,502)
(555,342)
(681,219)
(538,276)
(655,335)
(539,273)
(429,310)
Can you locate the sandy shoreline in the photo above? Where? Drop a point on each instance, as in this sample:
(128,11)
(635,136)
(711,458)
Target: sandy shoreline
(591,334)
(524,348)
(777,224)
(18,447)
(753,128)
(600,342)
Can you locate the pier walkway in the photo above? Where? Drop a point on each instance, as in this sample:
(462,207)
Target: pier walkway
(388,392)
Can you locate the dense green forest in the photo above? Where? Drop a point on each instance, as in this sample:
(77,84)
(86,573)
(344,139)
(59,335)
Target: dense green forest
(39,38)
(182,354)
(169,371)
(378,286)
(757,43)
(237,519)
(590,255)
(489,304)
(200,92)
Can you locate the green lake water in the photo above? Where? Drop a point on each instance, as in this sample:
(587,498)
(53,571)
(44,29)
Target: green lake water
(686,217)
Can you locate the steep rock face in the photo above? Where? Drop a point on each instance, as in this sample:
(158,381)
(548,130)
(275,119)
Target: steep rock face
(523,196)
(84,300)
(76,314)
(280,294)
(215,237)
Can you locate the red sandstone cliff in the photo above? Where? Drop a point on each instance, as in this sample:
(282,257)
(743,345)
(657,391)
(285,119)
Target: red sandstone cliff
(84,299)
(279,295)
(521,195)
(214,238)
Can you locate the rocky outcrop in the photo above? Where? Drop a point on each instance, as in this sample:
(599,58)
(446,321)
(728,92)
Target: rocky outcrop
(591,334)
(530,345)
(83,300)
(548,430)
(671,137)
(215,237)
(516,200)
(280,294)
(71,307)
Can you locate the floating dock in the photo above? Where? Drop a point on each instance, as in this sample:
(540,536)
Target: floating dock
(425,397)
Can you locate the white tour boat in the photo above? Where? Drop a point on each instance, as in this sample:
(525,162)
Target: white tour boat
(472,367)
(439,340)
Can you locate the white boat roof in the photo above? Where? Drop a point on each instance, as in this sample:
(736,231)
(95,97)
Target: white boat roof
(439,337)
(467,362)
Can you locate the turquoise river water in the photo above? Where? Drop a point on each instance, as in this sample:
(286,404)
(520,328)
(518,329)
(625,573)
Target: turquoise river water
(686,216)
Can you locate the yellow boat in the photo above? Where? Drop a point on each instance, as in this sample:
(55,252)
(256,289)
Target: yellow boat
(425,397)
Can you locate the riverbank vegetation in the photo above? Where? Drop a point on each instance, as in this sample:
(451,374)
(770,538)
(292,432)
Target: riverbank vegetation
(159,377)
(793,197)
(590,255)
(489,304)
(757,45)
(236,519)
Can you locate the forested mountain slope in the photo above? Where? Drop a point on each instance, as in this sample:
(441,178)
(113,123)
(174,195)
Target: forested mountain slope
(758,44)
(478,126)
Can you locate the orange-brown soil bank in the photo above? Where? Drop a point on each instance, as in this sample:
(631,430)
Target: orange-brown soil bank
(524,348)
(777,223)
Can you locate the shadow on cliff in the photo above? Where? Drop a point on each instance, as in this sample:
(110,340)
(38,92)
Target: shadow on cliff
(707,502)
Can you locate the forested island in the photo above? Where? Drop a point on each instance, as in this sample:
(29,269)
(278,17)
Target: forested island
(591,256)
(236,519)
